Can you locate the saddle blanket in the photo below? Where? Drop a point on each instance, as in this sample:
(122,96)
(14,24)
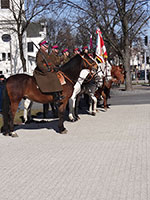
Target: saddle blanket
(61,78)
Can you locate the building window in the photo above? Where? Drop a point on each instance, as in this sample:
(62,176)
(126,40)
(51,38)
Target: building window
(30,46)
(6,37)
(3,56)
(9,56)
(5,4)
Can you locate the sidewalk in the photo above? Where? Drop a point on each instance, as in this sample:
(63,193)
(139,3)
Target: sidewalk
(105,157)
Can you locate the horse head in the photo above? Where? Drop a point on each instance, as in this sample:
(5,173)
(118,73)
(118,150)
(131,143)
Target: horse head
(88,62)
(73,68)
(118,74)
(107,71)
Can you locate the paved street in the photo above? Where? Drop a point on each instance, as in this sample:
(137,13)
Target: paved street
(105,157)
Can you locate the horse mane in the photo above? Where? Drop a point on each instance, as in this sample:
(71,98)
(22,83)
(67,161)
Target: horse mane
(73,67)
(73,61)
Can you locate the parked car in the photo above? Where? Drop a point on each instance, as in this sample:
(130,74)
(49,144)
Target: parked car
(141,75)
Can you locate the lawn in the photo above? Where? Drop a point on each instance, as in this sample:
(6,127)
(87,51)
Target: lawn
(19,115)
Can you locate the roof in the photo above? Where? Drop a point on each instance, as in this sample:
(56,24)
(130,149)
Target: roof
(34,29)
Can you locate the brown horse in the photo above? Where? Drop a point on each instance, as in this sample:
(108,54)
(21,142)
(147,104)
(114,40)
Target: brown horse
(24,86)
(118,76)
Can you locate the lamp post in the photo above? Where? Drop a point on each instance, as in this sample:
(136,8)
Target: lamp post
(145,52)
(145,66)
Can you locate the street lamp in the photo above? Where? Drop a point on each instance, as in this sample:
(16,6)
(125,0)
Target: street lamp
(145,57)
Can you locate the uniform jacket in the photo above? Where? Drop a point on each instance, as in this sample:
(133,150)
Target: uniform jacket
(46,80)
(66,59)
(55,59)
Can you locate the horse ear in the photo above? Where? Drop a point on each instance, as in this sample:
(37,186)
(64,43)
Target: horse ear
(94,54)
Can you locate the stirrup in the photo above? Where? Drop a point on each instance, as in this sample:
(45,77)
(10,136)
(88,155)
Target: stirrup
(61,98)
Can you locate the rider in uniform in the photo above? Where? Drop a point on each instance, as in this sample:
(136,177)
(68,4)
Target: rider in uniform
(66,56)
(44,73)
(54,57)
(85,49)
(76,51)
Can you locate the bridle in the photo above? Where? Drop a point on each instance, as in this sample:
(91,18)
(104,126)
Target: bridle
(87,63)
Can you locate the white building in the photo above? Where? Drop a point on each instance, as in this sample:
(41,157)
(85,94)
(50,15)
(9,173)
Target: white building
(9,51)
(35,33)
(10,62)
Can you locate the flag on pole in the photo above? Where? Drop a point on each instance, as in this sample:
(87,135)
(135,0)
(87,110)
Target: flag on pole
(91,43)
(101,52)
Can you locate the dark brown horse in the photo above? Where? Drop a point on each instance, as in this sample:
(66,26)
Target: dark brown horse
(118,76)
(24,86)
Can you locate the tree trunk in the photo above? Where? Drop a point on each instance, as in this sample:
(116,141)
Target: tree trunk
(22,53)
(126,64)
(128,81)
(126,54)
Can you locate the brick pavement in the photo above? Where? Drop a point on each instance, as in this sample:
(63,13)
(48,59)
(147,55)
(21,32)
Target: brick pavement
(105,157)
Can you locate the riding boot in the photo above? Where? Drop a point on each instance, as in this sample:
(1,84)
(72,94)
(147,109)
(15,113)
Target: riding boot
(57,96)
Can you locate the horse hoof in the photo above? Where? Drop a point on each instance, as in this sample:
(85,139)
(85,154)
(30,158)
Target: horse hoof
(64,131)
(76,119)
(6,134)
(14,134)
(72,120)
(93,114)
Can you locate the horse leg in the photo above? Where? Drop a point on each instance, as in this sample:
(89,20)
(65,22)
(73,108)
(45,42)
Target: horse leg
(108,96)
(14,107)
(45,110)
(93,105)
(77,107)
(104,100)
(27,110)
(72,101)
(54,110)
(6,111)
(72,109)
(29,117)
(90,106)
(6,123)
(61,114)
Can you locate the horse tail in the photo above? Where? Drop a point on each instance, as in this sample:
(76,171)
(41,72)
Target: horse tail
(5,110)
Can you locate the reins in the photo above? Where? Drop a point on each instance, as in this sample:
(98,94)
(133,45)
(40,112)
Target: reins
(91,75)
(66,77)
(90,64)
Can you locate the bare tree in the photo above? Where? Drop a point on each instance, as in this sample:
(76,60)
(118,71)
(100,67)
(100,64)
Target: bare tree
(120,22)
(59,32)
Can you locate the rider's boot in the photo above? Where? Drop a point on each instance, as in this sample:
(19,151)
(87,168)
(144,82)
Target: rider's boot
(58,96)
